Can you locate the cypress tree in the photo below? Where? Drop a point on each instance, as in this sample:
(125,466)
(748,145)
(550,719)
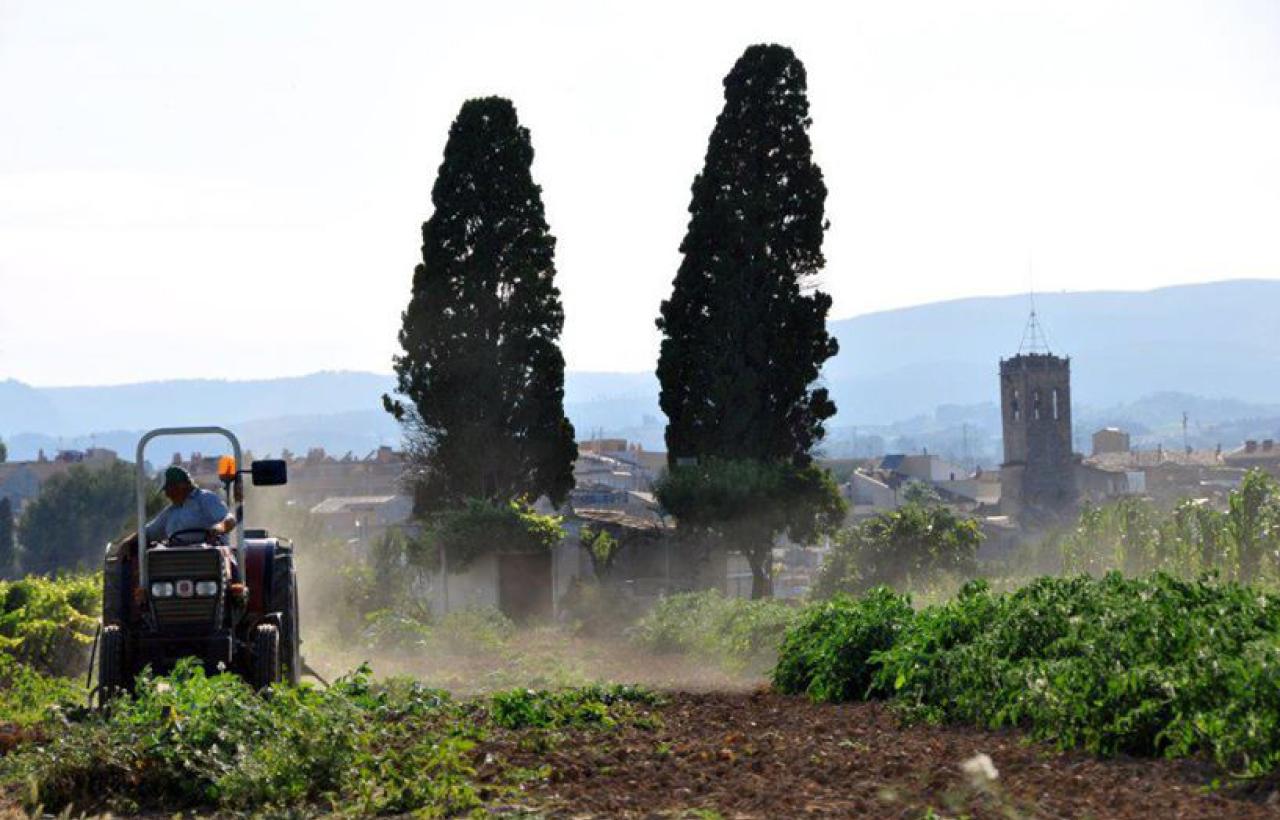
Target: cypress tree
(482,370)
(744,332)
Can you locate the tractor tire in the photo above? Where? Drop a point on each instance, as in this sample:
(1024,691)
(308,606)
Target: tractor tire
(266,656)
(112,679)
(115,589)
(284,600)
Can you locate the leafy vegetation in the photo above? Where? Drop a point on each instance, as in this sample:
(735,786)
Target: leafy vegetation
(355,749)
(827,654)
(48,623)
(46,627)
(77,512)
(479,527)
(909,547)
(602,548)
(738,634)
(1135,536)
(1155,665)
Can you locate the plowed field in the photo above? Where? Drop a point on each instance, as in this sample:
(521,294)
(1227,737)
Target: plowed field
(759,754)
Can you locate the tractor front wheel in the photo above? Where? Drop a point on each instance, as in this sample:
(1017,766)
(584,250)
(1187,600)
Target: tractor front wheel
(111,673)
(266,656)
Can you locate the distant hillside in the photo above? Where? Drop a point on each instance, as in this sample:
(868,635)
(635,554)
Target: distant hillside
(1218,340)
(1142,357)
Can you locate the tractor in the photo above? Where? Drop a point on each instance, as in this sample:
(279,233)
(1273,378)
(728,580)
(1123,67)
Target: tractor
(182,597)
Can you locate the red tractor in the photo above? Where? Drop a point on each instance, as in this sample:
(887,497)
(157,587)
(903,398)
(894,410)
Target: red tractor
(182,597)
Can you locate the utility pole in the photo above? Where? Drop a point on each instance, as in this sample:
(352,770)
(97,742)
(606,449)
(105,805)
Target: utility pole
(1186,445)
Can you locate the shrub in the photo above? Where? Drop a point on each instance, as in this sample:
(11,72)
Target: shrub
(911,547)
(48,623)
(26,696)
(1152,666)
(739,634)
(828,653)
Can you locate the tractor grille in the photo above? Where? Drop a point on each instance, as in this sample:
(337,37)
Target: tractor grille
(186,615)
(194,563)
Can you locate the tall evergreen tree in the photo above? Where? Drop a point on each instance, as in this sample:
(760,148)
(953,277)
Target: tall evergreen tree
(482,370)
(744,330)
(8,551)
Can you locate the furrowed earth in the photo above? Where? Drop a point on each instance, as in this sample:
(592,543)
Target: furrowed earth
(761,754)
(757,753)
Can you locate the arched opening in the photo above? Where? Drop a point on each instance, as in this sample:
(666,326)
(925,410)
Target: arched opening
(1056,416)
(1035,404)
(1015,407)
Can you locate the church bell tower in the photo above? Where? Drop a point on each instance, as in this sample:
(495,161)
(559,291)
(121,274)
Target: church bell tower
(1038,473)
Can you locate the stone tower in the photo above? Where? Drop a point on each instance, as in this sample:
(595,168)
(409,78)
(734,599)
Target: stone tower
(1038,476)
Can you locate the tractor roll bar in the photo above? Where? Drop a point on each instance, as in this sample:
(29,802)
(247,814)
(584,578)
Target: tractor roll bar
(237,534)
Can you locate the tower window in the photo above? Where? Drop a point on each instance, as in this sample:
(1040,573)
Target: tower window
(1035,404)
(1017,409)
(1055,404)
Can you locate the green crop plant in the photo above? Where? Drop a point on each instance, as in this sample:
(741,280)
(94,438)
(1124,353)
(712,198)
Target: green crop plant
(1155,665)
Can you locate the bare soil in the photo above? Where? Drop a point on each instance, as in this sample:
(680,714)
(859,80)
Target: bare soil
(761,754)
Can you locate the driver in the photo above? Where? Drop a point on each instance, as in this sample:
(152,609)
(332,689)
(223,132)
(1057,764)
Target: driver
(190,508)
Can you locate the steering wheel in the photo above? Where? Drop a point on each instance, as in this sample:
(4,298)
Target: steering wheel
(200,531)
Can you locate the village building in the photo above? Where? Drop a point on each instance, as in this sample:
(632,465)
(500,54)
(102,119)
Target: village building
(1110,440)
(1255,455)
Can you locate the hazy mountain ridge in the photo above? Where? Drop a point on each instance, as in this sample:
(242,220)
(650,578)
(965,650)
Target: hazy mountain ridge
(1140,358)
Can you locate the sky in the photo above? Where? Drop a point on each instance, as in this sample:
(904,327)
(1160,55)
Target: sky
(236,189)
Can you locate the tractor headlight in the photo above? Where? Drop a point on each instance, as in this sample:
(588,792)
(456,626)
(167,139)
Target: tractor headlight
(206,589)
(162,589)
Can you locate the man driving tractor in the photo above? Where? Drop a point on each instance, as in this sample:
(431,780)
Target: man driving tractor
(191,510)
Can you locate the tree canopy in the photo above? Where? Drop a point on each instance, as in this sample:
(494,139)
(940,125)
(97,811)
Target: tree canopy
(482,370)
(744,332)
(77,512)
(913,545)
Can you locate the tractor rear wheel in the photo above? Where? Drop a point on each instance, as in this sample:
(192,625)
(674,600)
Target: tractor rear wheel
(284,600)
(266,656)
(111,671)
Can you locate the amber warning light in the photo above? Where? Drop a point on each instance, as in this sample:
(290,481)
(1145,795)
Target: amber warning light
(227,468)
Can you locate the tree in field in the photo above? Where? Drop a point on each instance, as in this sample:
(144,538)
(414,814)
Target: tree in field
(912,546)
(4,452)
(481,375)
(744,332)
(77,512)
(8,548)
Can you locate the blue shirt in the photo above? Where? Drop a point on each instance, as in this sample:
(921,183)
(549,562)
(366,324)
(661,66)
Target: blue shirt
(200,511)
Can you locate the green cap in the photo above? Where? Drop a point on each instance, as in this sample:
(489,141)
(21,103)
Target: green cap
(175,476)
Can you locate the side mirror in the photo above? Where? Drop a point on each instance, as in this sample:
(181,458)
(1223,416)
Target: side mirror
(270,473)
